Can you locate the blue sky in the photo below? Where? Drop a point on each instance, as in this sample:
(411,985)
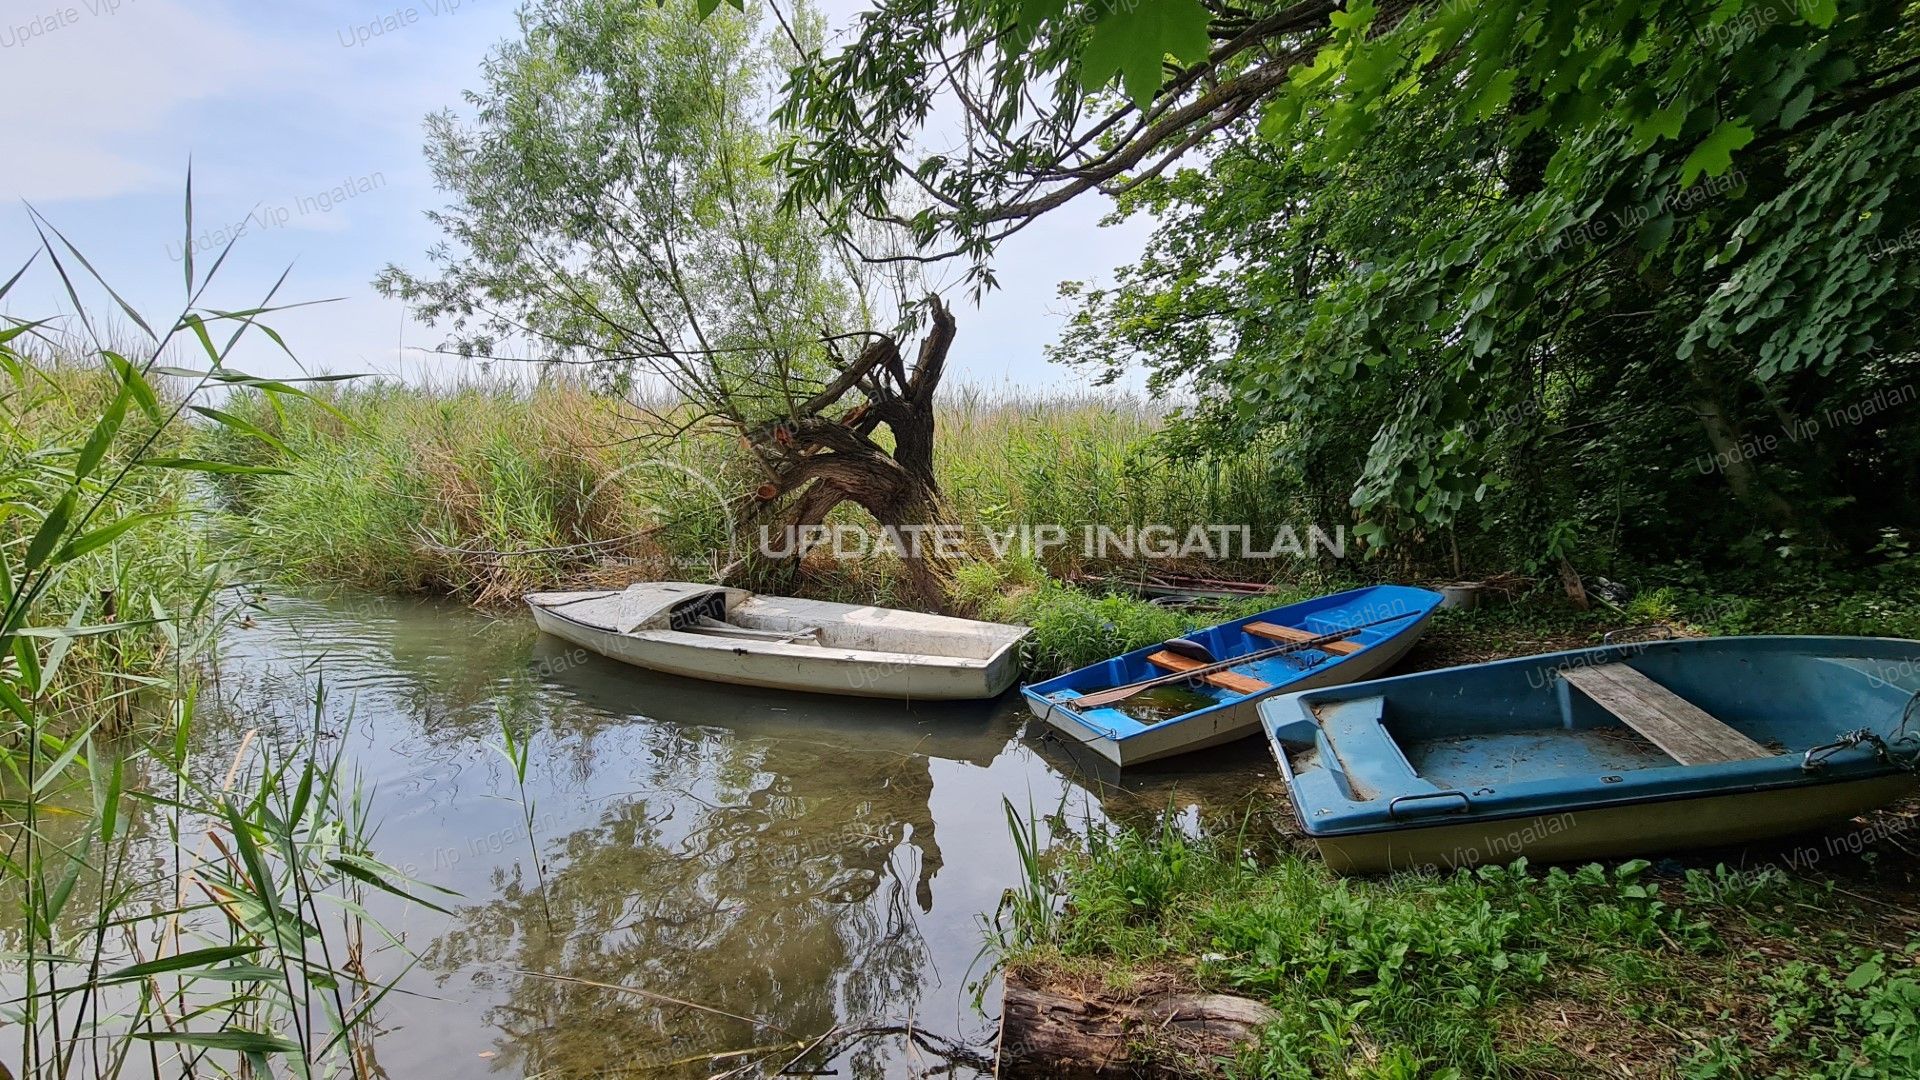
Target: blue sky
(304,131)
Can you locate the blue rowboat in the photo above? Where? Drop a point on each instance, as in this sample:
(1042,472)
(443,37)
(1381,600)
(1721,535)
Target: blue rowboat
(1620,750)
(1221,706)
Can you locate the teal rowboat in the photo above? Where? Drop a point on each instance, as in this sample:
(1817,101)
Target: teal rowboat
(1621,750)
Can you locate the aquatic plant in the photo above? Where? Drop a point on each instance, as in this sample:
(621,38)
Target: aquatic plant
(516,749)
(164,914)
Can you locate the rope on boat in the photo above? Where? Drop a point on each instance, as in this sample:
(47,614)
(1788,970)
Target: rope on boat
(1816,758)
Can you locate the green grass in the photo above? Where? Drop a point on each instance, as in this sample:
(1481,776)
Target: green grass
(1696,973)
(161,580)
(1469,975)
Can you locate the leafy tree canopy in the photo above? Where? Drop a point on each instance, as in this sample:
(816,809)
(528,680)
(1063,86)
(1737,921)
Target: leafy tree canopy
(1452,242)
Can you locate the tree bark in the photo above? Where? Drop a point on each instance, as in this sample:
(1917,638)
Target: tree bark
(1734,457)
(1048,1030)
(820,462)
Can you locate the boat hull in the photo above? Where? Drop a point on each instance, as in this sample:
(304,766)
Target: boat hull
(1647,828)
(1221,726)
(1385,622)
(1619,750)
(806,668)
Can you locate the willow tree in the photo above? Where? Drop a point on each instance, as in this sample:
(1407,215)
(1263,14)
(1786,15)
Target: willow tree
(611,206)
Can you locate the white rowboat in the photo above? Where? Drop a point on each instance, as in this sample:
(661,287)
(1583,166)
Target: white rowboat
(734,636)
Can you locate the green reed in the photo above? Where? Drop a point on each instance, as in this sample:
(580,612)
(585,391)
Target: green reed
(486,488)
(164,914)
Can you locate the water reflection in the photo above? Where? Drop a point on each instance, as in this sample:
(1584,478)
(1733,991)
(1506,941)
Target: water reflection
(753,868)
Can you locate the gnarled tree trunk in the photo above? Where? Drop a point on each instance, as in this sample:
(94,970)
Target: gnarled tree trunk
(818,462)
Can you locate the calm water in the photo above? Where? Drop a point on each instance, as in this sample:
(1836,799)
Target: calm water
(803,862)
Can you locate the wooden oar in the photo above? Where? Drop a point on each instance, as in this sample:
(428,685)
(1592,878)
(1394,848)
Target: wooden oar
(1102,698)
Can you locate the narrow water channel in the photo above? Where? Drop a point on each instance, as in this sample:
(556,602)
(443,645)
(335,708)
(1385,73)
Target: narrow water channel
(754,868)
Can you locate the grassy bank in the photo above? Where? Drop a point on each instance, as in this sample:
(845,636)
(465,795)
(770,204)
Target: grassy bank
(161,581)
(1804,962)
(1630,969)
(485,490)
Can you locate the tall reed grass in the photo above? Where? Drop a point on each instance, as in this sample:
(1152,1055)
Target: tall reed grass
(160,914)
(158,585)
(487,489)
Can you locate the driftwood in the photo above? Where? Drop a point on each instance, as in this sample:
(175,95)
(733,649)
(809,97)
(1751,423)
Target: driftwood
(1054,1030)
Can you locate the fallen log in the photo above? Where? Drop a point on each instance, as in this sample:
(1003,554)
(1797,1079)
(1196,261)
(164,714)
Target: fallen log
(1054,1029)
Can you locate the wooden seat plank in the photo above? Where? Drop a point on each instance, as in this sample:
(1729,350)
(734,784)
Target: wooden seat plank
(1276,632)
(1225,680)
(1686,732)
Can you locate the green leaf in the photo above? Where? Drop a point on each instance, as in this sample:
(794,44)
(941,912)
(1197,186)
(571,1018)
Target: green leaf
(203,465)
(57,653)
(1864,975)
(256,864)
(1136,39)
(51,529)
(58,766)
(103,434)
(246,1042)
(243,425)
(26,655)
(106,796)
(1820,13)
(106,534)
(372,873)
(12,332)
(14,705)
(137,384)
(1662,124)
(253,973)
(181,961)
(1714,155)
(1796,107)
(186,244)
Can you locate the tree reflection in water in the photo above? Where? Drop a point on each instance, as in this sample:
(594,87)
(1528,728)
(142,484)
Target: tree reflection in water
(735,851)
(773,876)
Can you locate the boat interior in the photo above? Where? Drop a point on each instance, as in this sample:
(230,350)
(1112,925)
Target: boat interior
(1280,626)
(1392,608)
(781,620)
(1591,715)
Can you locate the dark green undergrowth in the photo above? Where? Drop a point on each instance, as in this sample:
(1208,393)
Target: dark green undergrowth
(1073,627)
(1500,971)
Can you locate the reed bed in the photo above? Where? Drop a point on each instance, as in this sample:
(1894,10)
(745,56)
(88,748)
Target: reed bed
(161,588)
(166,911)
(487,488)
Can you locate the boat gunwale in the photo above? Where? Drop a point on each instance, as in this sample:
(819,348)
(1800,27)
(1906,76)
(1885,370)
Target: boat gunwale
(1549,797)
(1035,697)
(1808,781)
(824,654)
